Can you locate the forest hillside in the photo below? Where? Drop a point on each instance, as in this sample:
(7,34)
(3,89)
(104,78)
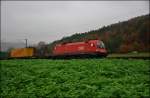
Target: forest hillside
(121,37)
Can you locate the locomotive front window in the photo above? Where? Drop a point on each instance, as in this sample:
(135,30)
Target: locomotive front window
(100,44)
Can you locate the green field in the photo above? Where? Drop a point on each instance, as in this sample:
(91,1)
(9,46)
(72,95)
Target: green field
(76,78)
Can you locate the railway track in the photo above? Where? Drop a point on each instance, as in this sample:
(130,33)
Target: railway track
(145,56)
(129,56)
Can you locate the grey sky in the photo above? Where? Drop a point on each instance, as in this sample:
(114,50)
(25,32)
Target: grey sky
(51,20)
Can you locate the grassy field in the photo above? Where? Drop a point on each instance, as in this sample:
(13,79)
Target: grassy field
(85,78)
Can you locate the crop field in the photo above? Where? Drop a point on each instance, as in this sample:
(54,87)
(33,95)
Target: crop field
(75,78)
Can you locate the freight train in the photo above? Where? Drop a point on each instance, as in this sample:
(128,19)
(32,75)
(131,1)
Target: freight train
(89,48)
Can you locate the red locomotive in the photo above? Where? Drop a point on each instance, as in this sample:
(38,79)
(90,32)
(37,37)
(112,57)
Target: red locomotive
(91,47)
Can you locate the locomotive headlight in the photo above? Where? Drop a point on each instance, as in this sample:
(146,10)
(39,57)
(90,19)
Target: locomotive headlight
(92,45)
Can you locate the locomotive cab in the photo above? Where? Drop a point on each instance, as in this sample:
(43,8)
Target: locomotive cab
(100,44)
(100,49)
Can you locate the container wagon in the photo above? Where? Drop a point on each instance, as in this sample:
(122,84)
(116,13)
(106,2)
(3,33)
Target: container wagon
(22,53)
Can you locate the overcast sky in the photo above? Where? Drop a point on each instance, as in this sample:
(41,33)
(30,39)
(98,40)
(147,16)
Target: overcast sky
(51,20)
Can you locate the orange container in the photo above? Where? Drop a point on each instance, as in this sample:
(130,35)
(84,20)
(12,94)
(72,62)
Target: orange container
(22,52)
